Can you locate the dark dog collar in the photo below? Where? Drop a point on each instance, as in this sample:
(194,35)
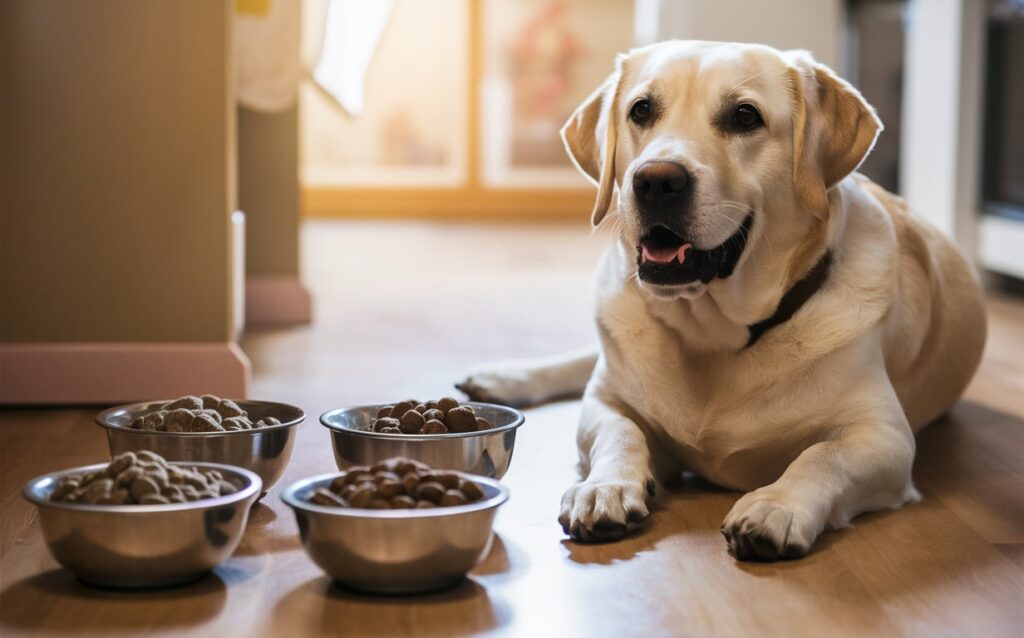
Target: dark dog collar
(794,299)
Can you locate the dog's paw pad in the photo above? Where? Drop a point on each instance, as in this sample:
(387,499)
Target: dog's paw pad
(507,387)
(603,511)
(764,529)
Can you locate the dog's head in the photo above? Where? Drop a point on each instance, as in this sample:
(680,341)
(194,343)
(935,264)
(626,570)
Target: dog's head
(713,150)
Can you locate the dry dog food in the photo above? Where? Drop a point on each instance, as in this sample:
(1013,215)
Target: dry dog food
(141,478)
(200,414)
(432,417)
(397,484)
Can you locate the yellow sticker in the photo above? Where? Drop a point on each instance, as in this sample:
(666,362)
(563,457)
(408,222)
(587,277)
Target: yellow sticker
(257,8)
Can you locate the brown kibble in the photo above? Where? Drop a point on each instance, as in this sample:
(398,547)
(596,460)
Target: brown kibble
(120,463)
(421,408)
(382,466)
(389,489)
(404,466)
(385,411)
(452,498)
(143,487)
(225,488)
(431,405)
(379,504)
(65,488)
(179,420)
(450,480)
(154,499)
(229,408)
(430,490)
(411,422)
(410,482)
(213,414)
(403,502)
(384,475)
(96,490)
(147,456)
(236,423)
(482,423)
(422,505)
(471,490)
(433,414)
(326,497)
(362,496)
(115,497)
(385,422)
(187,402)
(445,404)
(204,423)
(357,474)
(390,430)
(402,408)
(134,478)
(268,421)
(434,426)
(460,420)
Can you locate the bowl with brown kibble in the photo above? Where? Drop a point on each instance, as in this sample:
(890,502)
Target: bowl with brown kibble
(256,435)
(141,521)
(466,436)
(397,526)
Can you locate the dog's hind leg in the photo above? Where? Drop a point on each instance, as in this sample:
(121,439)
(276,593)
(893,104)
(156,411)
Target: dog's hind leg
(533,381)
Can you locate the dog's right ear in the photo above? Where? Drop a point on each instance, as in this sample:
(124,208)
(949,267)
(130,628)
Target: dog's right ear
(590,137)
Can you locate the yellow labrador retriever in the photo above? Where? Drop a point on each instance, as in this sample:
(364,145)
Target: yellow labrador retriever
(768,318)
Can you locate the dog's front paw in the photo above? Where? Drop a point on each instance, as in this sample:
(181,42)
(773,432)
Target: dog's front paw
(601,511)
(765,527)
(507,384)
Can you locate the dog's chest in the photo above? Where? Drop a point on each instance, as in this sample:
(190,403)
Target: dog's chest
(718,415)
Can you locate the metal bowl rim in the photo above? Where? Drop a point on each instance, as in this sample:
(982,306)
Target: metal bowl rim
(103,419)
(290,499)
(519,420)
(253,488)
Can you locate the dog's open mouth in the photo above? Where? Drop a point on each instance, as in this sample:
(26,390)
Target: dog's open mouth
(664,258)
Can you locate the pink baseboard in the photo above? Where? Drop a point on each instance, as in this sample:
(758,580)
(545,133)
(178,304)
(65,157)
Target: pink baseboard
(119,372)
(276,301)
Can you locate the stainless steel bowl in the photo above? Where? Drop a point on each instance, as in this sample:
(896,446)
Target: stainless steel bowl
(265,451)
(485,452)
(144,545)
(395,551)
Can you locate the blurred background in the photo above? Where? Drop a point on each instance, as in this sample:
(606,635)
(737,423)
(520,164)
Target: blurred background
(188,183)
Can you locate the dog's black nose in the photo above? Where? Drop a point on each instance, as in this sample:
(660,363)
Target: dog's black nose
(661,187)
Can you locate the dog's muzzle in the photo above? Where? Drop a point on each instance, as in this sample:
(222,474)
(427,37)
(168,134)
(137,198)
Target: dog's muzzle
(667,259)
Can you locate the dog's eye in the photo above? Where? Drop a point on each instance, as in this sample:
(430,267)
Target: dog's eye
(746,118)
(640,112)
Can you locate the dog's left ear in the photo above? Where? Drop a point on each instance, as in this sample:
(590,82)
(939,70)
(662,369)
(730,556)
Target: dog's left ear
(590,138)
(834,129)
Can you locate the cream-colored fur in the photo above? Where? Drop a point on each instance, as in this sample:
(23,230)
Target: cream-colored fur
(816,420)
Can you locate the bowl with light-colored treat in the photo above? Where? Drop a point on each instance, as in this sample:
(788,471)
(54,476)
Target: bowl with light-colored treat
(264,449)
(108,538)
(486,451)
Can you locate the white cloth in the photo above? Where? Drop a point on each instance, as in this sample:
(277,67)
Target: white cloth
(352,32)
(267,55)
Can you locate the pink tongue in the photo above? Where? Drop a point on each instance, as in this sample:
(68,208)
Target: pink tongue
(665,255)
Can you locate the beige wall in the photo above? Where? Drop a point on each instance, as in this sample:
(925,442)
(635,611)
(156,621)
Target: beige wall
(117,162)
(786,24)
(268,191)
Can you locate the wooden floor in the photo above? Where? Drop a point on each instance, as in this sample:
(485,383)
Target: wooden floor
(401,310)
